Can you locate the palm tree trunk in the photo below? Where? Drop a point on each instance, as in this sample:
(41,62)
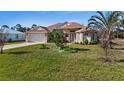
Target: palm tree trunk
(106,53)
(117,34)
(110,40)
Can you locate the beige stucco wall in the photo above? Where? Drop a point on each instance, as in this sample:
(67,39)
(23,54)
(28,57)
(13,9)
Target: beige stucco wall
(81,36)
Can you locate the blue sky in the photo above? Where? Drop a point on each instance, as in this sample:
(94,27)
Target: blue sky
(44,18)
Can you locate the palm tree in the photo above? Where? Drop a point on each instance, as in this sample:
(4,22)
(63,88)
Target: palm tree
(105,23)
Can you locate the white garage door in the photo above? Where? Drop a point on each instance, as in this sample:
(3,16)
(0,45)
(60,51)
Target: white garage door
(37,38)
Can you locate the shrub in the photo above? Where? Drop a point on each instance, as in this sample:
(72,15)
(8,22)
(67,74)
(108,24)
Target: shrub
(81,42)
(44,46)
(85,41)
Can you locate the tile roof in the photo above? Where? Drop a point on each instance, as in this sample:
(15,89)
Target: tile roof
(55,26)
(84,29)
(39,30)
(65,25)
(71,25)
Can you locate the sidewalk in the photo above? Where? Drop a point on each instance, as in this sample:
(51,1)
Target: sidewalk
(19,45)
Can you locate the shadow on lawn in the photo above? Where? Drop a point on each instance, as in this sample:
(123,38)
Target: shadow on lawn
(118,48)
(121,60)
(75,50)
(80,49)
(19,52)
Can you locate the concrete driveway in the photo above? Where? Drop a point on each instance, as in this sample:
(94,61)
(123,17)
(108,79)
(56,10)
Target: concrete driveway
(19,45)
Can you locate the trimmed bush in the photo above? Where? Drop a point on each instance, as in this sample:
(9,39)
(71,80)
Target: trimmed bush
(85,42)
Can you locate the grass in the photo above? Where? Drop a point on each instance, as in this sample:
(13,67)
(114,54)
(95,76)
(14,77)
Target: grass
(34,63)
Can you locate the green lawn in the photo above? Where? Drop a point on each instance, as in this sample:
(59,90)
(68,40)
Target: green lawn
(33,63)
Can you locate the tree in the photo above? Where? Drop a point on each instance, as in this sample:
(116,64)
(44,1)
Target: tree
(20,28)
(12,28)
(34,26)
(58,37)
(28,29)
(105,23)
(4,26)
(3,37)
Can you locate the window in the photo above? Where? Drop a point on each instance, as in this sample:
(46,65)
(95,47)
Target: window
(86,34)
(17,35)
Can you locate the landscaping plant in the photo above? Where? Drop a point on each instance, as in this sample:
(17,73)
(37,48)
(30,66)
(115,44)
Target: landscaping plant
(44,46)
(57,37)
(85,42)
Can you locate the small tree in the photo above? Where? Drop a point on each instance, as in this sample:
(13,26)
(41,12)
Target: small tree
(57,37)
(3,36)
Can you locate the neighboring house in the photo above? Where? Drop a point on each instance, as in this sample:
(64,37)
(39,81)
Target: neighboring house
(38,34)
(13,35)
(75,32)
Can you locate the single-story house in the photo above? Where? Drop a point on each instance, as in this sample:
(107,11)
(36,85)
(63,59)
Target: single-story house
(75,32)
(38,34)
(69,29)
(13,35)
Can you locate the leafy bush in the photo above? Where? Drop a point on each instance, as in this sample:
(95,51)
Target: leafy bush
(85,41)
(44,46)
(50,37)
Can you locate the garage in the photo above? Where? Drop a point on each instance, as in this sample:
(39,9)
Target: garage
(37,35)
(37,38)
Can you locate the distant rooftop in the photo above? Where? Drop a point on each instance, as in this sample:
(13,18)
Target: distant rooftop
(10,31)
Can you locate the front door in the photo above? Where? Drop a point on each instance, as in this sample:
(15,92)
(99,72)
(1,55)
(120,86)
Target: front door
(72,37)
